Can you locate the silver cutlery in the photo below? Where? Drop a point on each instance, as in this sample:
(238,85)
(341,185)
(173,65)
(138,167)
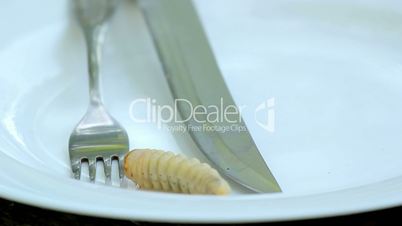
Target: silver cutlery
(98,137)
(193,75)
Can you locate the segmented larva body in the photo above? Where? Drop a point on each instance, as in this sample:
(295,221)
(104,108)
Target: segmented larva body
(165,171)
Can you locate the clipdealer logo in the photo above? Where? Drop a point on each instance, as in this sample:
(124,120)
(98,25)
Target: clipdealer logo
(219,118)
(267,109)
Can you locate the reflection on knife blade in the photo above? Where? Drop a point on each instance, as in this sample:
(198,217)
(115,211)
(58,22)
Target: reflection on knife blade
(193,75)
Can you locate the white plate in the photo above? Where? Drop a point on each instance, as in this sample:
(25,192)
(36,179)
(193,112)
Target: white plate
(333,67)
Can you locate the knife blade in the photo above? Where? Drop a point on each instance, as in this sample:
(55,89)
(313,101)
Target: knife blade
(194,78)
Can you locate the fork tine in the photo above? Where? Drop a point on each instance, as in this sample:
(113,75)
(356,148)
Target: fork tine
(76,168)
(108,168)
(92,169)
(121,166)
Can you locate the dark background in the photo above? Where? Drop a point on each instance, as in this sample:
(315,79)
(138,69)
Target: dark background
(12,214)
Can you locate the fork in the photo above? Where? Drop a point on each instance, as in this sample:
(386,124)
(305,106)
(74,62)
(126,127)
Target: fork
(98,136)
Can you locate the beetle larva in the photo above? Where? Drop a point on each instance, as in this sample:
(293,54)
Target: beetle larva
(165,171)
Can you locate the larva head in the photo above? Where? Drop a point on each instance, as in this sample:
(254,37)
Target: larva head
(126,162)
(130,160)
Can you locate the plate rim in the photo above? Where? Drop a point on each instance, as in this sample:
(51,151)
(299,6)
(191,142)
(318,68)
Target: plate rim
(328,204)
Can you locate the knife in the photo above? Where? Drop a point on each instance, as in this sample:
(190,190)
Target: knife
(195,79)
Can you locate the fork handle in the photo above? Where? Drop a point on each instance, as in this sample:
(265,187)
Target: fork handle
(94,37)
